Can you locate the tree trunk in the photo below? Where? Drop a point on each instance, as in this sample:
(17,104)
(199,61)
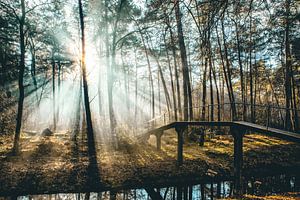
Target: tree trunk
(15,149)
(211,83)
(251,74)
(204,91)
(187,93)
(241,70)
(288,64)
(53,93)
(233,107)
(136,90)
(172,82)
(167,96)
(125,82)
(90,131)
(217,91)
(229,89)
(294,105)
(176,73)
(76,128)
(33,62)
(150,75)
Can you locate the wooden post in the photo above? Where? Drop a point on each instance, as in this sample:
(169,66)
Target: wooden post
(158,140)
(238,134)
(180,130)
(268,115)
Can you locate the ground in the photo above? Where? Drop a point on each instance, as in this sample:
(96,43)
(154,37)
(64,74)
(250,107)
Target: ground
(55,164)
(286,196)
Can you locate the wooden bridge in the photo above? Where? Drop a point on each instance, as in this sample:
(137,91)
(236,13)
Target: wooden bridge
(237,129)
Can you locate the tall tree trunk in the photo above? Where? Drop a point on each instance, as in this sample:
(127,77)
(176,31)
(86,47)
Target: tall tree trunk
(233,107)
(294,105)
(256,77)
(211,93)
(176,73)
(59,80)
(172,82)
(167,96)
(150,75)
(229,89)
(217,91)
(125,82)
(288,64)
(113,122)
(210,80)
(90,131)
(76,128)
(33,63)
(251,74)
(136,89)
(158,87)
(187,93)
(100,106)
(204,90)
(20,82)
(53,93)
(241,70)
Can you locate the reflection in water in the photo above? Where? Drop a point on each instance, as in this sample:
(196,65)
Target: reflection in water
(274,184)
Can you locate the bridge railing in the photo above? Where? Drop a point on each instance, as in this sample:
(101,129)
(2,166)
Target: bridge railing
(266,115)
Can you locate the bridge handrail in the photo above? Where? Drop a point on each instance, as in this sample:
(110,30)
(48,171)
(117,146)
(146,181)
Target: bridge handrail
(166,115)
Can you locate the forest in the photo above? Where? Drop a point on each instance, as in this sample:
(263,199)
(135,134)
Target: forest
(149,99)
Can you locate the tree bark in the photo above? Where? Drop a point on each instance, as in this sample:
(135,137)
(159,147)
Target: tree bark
(288,65)
(187,93)
(90,131)
(15,149)
(217,91)
(233,107)
(172,82)
(176,73)
(204,90)
(53,93)
(150,75)
(241,70)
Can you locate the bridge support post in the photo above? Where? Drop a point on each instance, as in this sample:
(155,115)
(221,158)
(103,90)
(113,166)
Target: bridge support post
(180,131)
(158,140)
(238,135)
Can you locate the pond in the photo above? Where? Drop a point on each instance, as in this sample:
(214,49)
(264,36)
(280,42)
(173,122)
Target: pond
(254,186)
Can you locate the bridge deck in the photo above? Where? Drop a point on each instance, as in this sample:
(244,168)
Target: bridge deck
(244,125)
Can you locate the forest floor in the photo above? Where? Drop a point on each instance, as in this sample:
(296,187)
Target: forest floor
(55,164)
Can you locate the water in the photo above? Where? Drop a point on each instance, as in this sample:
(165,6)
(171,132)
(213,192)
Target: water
(208,191)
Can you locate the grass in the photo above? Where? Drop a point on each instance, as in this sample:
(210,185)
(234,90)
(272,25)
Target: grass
(55,164)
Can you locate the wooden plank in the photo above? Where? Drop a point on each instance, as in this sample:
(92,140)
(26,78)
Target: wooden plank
(245,125)
(189,123)
(204,123)
(162,128)
(269,131)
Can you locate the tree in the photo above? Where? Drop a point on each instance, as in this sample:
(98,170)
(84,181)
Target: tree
(90,131)
(187,93)
(21,77)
